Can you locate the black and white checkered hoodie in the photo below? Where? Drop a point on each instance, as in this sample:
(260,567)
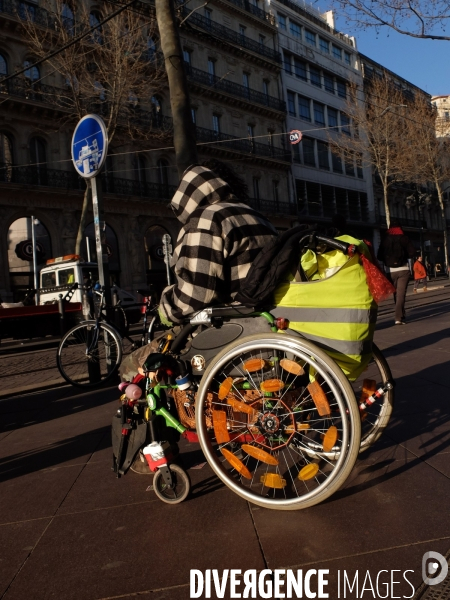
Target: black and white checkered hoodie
(218,242)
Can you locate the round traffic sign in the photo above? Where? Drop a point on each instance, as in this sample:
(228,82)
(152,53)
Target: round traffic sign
(295,136)
(89,146)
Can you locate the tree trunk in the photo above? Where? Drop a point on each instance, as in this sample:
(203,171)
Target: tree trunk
(87,201)
(386,203)
(183,127)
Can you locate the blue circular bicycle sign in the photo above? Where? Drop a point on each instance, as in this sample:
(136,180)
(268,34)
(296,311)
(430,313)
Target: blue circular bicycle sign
(89,146)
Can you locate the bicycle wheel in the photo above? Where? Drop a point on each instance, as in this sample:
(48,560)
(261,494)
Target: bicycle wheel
(375,418)
(180,489)
(89,354)
(262,404)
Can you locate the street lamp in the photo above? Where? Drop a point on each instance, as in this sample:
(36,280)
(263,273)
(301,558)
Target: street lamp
(388,108)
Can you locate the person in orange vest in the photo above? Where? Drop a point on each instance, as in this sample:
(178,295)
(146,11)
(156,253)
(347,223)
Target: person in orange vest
(420,274)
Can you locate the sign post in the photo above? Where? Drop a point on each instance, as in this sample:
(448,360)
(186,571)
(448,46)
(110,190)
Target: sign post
(35,273)
(167,250)
(89,152)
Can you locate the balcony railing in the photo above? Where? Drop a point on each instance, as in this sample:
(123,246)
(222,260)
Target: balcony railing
(27,12)
(235,89)
(224,33)
(254,10)
(272,207)
(69,180)
(22,87)
(246,146)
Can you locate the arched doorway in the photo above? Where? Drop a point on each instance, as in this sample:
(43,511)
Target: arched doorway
(20,254)
(156,267)
(113,250)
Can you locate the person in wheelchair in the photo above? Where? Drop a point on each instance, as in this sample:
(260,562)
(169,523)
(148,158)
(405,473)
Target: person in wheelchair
(218,242)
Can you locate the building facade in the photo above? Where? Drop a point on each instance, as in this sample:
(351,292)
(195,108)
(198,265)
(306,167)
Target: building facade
(233,68)
(320,67)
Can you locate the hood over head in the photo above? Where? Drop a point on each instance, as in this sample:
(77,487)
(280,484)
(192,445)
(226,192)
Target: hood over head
(200,186)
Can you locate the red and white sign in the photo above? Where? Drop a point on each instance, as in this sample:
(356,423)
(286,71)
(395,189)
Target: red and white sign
(295,136)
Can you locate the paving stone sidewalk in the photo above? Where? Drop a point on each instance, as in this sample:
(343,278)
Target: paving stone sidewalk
(70,530)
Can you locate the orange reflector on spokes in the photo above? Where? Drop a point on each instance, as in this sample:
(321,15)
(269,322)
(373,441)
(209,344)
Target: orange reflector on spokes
(272,385)
(369,386)
(254,364)
(219,419)
(259,454)
(319,398)
(240,406)
(308,472)
(236,463)
(273,480)
(225,388)
(292,367)
(299,427)
(330,439)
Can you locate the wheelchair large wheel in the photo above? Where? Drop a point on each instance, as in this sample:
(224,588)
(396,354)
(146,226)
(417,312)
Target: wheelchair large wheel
(375,418)
(262,404)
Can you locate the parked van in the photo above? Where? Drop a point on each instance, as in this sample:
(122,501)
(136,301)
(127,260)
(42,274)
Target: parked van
(59,275)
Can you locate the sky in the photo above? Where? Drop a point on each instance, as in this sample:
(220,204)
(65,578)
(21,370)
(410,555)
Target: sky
(424,63)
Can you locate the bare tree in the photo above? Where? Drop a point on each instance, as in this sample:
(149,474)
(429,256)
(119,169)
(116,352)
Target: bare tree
(429,153)
(425,19)
(376,137)
(113,72)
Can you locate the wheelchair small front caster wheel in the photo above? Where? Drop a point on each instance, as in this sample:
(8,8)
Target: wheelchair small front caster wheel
(180,488)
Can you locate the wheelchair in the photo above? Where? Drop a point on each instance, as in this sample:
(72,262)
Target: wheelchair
(277,420)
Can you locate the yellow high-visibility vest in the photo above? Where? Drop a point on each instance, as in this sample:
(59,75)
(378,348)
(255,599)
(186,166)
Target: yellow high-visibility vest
(335,309)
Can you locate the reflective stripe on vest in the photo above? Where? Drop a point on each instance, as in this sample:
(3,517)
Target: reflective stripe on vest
(303,314)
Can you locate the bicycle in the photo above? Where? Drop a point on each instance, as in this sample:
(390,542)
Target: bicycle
(90,353)
(276,418)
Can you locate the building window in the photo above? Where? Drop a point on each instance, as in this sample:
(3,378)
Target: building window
(94,20)
(328,82)
(211,69)
(6,157)
(151,48)
(256,188)
(296,153)
(265,87)
(359,169)
(163,172)
(246,80)
(262,40)
(300,69)
(250,131)
(3,65)
(322,153)
(347,58)
(32,73)
(324,45)
(332,117)
(308,152)
(208,14)
(336,162)
(287,63)
(319,113)
(310,37)
(291,103)
(337,52)
(341,89)
(216,123)
(242,30)
(187,56)
(194,115)
(345,124)
(156,110)
(349,167)
(38,153)
(67,18)
(140,169)
(296,30)
(275,185)
(304,109)
(314,75)
(281,21)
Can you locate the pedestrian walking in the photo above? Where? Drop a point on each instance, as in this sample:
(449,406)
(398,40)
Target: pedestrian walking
(395,250)
(420,274)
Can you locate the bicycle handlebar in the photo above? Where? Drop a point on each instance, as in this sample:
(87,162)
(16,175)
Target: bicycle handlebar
(347,249)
